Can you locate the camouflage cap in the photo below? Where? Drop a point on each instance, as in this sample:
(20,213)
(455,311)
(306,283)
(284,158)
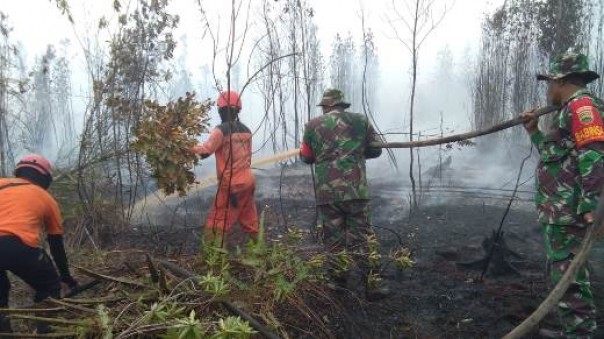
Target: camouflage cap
(333,97)
(569,63)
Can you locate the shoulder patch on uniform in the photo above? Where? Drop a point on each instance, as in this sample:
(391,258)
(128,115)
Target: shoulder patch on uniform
(585,114)
(587,124)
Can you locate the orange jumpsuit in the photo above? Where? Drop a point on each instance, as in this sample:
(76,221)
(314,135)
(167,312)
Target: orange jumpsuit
(232,144)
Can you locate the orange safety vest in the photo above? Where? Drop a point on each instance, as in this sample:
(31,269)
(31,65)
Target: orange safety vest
(232,144)
(25,208)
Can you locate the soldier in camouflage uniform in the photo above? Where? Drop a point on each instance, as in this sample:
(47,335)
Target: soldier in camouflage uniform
(569,178)
(338,144)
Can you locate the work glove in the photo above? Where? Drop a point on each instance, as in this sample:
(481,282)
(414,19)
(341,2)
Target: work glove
(69,281)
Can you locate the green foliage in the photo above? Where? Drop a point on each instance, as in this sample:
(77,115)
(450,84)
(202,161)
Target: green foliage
(187,328)
(262,278)
(233,328)
(104,321)
(402,258)
(215,257)
(342,262)
(283,288)
(373,279)
(214,285)
(166,136)
(277,270)
(374,255)
(317,261)
(163,311)
(294,234)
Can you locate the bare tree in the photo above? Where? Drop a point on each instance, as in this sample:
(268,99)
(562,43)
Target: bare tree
(65,134)
(289,56)
(597,47)
(518,40)
(12,87)
(344,71)
(411,28)
(134,70)
(37,119)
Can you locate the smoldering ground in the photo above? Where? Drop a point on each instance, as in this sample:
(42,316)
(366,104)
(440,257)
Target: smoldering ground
(463,204)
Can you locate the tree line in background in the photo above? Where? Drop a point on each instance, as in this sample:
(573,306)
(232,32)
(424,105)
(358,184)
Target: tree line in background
(130,58)
(518,41)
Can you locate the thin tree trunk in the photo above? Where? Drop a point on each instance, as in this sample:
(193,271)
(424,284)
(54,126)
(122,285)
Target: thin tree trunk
(411,106)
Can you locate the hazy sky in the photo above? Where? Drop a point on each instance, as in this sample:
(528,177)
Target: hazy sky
(459,31)
(460,28)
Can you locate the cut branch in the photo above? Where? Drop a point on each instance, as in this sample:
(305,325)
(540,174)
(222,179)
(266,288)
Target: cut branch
(38,335)
(109,278)
(183,273)
(569,276)
(30,310)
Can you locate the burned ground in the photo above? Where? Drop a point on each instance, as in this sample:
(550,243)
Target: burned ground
(434,299)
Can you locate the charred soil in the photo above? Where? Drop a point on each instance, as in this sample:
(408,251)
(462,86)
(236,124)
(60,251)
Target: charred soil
(436,298)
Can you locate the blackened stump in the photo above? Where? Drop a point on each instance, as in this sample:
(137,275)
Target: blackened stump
(497,257)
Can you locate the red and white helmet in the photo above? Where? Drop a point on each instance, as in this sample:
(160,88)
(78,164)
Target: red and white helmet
(37,162)
(228,99)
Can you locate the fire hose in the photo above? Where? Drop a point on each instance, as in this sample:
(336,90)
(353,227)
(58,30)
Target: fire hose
(411,144)
(203,183)
(561,287)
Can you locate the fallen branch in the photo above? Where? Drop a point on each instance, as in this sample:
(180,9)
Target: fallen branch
(569,276)
(101,300)
(71,306)
(55,321)
(143,330)
(183,273)
(464,136)
(30,310)
(95,161)
(109,278)
(35,335)
(249,81)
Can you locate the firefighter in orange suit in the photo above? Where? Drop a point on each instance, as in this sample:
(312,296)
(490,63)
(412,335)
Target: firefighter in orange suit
(26,211)
(231,141)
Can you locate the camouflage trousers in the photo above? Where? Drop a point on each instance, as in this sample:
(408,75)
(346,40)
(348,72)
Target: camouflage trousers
(346,227)
(596,270)
(576,309)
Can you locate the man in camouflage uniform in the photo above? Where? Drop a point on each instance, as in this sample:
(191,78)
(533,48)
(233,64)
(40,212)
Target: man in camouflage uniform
(338,144)
(569,178)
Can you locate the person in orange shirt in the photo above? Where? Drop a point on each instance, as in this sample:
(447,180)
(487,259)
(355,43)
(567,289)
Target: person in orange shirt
(26,210)
(231,141)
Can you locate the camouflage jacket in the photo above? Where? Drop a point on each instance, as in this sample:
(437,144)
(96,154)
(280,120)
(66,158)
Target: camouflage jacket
(571,167)
(337,142)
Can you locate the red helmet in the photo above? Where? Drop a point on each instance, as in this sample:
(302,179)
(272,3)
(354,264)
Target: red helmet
(229,99)
(36,162)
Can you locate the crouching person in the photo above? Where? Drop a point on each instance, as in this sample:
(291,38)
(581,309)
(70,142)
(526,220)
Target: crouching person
(27,209)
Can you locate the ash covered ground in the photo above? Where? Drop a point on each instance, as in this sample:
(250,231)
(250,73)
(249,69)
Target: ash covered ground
(436,298)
